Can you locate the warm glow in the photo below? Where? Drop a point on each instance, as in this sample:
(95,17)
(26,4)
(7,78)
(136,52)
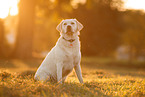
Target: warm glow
(134,4)
(75,2)
(8,7)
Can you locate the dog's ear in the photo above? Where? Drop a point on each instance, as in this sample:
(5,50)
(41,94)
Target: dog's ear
(80,26)
(59,26)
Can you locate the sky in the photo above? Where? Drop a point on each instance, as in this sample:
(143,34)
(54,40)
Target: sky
(6,5)
(134,4)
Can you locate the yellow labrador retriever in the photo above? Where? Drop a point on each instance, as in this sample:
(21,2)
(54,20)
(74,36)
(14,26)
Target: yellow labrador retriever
(64,56)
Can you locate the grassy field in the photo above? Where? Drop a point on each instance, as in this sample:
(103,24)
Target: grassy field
(102,78)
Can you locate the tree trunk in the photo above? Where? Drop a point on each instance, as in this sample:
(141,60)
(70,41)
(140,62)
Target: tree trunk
(1,37)
(25,29)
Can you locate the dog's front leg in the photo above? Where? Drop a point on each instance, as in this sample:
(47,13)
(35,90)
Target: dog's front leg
(78,72)
(59,73)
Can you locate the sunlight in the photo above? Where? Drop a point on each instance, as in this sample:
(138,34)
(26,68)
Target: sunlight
(8,7)
(134,4)
(75,2)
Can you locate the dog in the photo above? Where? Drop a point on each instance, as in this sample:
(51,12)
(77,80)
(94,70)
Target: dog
(64,56)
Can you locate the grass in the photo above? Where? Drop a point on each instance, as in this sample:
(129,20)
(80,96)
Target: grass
(100,80)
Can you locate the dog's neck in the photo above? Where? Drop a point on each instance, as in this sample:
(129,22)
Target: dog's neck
(70,40)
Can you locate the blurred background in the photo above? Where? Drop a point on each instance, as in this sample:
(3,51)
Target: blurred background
(112,46)
(112,28)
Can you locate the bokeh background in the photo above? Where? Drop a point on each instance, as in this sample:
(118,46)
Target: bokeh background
(111,29)
(27,28)
(112,46)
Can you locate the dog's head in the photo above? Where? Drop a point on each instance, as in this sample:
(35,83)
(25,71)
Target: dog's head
(69,27)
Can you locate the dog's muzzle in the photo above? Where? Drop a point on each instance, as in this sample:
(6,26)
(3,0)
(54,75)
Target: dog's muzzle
(69,30)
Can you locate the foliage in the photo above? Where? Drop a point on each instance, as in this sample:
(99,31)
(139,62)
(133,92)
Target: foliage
(101,20)
(102,27)
(106,27)
(134,32)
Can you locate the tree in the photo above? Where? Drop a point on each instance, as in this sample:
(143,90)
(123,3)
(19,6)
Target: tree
(102,27)
(25,29)
(1,36)
(134,35)
(101,19)
(60,7)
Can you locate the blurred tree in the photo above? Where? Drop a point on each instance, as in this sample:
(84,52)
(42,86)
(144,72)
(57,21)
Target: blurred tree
(1,36)
(134,35)
(48,14)
(53,7)
(25,29)
(101,19)
(102,26)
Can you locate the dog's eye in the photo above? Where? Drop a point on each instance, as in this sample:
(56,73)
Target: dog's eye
(72,23)
(65,24)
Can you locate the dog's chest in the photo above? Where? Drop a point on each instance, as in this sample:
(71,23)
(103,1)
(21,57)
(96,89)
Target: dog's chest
(70,59)
(68,65)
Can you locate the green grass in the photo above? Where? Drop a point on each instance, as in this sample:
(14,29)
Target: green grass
(100,80)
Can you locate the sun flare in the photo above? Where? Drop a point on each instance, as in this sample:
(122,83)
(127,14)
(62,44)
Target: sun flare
(134,4)
(8,7)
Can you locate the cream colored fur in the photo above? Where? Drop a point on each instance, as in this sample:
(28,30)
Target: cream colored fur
(64,56)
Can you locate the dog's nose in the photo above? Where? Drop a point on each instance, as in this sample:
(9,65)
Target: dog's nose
(68,28)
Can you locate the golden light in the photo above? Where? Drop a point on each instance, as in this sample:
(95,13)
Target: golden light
(75,2)
(134,4)
(8,7)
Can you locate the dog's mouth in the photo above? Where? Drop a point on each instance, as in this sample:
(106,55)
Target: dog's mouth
(69,33)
